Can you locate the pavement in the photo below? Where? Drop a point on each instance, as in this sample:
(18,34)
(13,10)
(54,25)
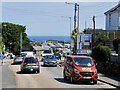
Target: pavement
(109,80)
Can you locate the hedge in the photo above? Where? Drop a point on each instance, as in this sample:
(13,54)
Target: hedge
(101,53)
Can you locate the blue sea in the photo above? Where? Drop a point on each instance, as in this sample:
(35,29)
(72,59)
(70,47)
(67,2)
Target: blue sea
(42,38)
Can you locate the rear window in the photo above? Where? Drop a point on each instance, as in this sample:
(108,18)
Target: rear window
(47,51)
(31,60)
(56,53)
(50,57)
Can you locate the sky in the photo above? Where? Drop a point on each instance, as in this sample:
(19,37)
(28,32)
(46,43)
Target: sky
(51,18)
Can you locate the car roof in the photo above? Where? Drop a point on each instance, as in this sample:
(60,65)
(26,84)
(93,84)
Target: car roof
(76,56)
(29,56)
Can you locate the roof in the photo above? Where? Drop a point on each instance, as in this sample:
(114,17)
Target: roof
(113,9)
(41,47)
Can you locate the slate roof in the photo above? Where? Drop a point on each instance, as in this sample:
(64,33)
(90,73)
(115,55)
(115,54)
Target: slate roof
(113,9)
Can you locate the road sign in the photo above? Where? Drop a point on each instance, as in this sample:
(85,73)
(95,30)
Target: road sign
(51,49)
(84,43)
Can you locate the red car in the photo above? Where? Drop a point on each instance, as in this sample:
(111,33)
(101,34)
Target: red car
(80,68)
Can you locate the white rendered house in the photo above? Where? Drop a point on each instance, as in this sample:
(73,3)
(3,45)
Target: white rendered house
(113,18)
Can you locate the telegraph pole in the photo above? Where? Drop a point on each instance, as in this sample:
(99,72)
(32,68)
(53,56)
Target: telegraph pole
(94,35)
(78,18)
(75,16)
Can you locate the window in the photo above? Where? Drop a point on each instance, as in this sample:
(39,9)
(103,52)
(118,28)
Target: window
(119,20)
(109,20)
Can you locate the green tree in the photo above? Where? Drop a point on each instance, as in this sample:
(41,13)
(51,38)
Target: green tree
(74,37)
(102,39)
(11,37)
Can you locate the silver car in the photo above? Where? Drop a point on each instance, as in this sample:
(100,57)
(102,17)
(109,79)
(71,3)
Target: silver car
(18,59)
(30,64)
(50,60)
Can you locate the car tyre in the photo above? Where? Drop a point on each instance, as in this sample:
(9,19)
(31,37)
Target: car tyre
(55,65)
(22,71)
(71,80)
(38,71)
(65,77)
(94,82)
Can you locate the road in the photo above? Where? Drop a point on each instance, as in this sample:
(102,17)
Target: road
(49,77)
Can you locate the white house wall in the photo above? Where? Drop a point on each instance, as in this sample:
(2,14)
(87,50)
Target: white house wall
(114,21)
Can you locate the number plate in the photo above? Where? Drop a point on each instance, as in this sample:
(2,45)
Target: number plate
(31,64)
(87,77)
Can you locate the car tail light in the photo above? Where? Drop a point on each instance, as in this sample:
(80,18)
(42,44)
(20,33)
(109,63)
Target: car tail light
(25,63)
(37,63)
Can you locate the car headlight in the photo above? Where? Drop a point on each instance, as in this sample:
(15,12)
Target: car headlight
(76,71)
(95,71)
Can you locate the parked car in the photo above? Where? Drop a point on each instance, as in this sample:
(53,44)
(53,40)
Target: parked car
(50,60)
(18,59)
(30,64)
(80,68)
(57,55)
(46,52)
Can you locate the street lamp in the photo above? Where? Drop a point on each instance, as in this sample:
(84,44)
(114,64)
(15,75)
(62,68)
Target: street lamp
(76,5)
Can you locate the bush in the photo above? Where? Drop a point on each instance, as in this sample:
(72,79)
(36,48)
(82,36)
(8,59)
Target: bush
(101,53)
(115,44)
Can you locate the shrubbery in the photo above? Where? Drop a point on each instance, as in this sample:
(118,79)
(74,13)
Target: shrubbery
(101,53)
(115,44)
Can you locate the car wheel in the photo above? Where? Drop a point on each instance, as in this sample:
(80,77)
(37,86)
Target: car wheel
(38,71)
(65,77)
(94,82)
(71,79)
(55,65)
(22,71)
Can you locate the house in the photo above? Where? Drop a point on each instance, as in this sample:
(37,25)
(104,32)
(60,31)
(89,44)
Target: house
(39,49)
(113,18)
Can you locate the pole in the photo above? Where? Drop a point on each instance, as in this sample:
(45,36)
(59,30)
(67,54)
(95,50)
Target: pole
(75,17)
(94,30)
(78,18)
(70,34)
(21,42)
(85,25)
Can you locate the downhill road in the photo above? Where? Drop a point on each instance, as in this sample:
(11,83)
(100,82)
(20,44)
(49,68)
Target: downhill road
(49,77)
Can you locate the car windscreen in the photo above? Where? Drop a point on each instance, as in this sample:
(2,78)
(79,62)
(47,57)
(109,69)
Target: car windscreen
(83,62)
(31,60)
(22,55)
(47,51)
(56,54)
(50,57)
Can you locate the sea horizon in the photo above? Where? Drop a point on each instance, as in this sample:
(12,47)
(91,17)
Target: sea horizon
(46,38)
